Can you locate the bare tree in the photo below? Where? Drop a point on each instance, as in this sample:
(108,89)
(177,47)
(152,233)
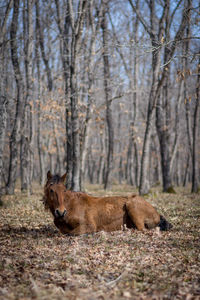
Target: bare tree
(64,35)
(107,88)
(76,23)
(16,131)
(41,153)
(42,46)
(3,121)
(3,94)
(195,169)
(27,124)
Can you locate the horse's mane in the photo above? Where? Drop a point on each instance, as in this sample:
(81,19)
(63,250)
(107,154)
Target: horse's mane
(76,195)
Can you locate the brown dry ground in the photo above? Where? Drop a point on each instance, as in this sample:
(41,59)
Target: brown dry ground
(37,262)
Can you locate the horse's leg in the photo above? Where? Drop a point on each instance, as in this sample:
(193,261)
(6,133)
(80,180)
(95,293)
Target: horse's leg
(62,226)
(135,216)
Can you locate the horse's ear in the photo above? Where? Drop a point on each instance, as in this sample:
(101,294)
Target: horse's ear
(49,175)
(63,178)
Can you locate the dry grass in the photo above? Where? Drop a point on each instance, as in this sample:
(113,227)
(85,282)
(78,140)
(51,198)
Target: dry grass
(37,262)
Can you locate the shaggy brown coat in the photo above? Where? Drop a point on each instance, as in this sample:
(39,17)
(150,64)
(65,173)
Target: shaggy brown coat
(78,213)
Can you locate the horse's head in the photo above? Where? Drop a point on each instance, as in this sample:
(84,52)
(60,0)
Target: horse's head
(54,194)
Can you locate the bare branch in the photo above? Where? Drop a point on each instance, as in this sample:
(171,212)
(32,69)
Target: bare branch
(146,26)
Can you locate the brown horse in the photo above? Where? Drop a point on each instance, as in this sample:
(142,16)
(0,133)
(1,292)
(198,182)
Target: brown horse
(78,213)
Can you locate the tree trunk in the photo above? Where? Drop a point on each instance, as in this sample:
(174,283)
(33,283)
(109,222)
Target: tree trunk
(163,116)
(144,180)
(129,162)
(3,121)
(77,27)
(16,132)
(65,57)
(186,71)
(56,136)
(75,185)
(42,176)
(27,132)
(42,48)
(107,89)
(135,97)
(3,94)
(195,158)
(186,175)
(119,126)
(40,147)
(176,127)
(101,161)
(154,93)
(163,124)
(177,170)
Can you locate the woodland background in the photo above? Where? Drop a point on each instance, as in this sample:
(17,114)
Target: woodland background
(105,90)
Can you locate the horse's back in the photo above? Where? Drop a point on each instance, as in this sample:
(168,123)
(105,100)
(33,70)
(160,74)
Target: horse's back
(106,212)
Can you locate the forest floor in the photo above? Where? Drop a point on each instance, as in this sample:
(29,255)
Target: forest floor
(37,262)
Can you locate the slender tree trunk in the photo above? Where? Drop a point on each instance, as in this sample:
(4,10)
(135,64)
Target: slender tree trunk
(3,122)
(120,172)
(129,162)
(107,88)
(155,171)
(57,147)
(144,181)
(27,132)
(178,171)
(188,5)
(186,175)
(16,132)
(163,116)
(135,97)
(40,146)
(76,26)
(42,48)
(75,129)
(163,124)
(176,127)
(186,70)
(153,96)
(136,164)
(65,56)
(3,93)
(195,157)
(101,161)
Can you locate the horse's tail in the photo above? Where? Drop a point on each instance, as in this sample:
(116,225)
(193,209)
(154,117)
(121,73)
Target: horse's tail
(164,224)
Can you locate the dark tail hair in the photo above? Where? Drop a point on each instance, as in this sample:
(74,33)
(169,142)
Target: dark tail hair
(164,224)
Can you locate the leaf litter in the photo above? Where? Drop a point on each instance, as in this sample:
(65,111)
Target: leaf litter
(37,262)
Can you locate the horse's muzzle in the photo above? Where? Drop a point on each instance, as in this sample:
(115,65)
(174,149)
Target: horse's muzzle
(60,214)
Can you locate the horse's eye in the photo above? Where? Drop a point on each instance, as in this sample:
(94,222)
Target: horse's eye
(51,191)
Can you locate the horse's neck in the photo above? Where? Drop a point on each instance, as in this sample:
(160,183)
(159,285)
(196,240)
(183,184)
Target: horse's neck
(73,195)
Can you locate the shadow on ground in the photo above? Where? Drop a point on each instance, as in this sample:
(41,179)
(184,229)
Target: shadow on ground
(42,231)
